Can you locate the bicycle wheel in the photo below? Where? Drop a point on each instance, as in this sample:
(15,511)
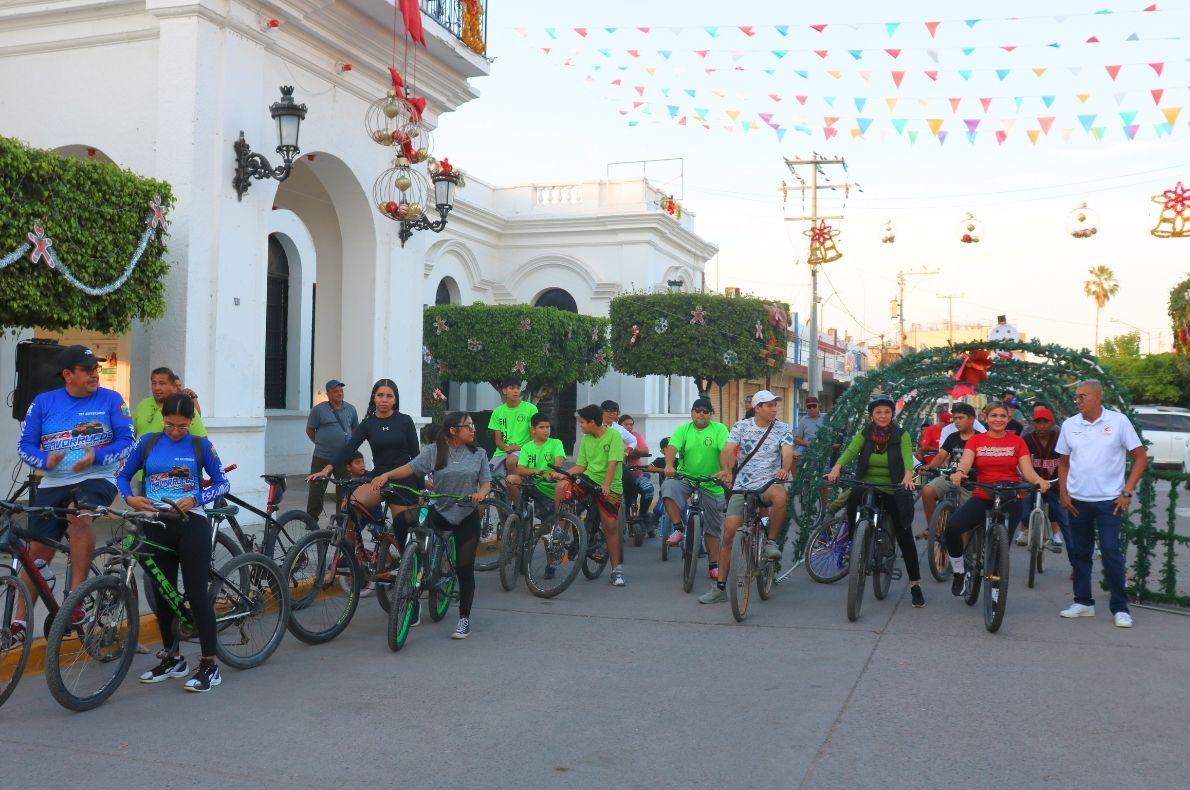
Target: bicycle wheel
(936,556)
(511,545)
(553,556)
(323,581)
(765,573)
(595,560)
(690,543)
(492,515)
(388,559)
(400,616)
(85,664)
(663,531)
(13,652)
(739,586)
(442,580)
(827,551)
(996,568)
(251,610)
(885,554)
(857,571)
(281,536)
(1037,523)
(973,562)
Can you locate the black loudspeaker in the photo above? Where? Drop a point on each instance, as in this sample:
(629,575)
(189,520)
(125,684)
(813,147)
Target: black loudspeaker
(37,372)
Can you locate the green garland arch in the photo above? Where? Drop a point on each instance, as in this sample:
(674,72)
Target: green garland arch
(1048,375)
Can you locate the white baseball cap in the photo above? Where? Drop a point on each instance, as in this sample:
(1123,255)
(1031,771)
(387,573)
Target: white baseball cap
(763,396)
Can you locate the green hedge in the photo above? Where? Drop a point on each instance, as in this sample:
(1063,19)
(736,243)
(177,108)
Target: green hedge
(95,214)
(723,349)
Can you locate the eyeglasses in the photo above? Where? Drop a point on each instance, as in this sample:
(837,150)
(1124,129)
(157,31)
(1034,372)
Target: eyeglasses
(175,427)
(470,425)
(701,411)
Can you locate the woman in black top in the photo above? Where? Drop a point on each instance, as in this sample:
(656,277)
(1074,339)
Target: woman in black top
(393,440)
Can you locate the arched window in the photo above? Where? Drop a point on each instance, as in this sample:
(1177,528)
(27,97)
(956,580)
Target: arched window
(446,292)
(276,327)
(556,297)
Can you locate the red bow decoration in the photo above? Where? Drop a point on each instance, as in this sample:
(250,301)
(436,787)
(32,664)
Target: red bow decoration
(1177,199)
(398,82)
(411,14)
(820,233)
(445,167)
(974,368)
(418,103)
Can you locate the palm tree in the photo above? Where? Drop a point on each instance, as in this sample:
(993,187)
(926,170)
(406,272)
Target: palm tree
(1101,287)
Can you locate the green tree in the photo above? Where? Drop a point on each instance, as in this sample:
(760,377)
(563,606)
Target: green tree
(1101,288)
(1154,378)
(1126,345)
(711,338)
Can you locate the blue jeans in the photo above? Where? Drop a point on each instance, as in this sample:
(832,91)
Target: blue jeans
(1092,517)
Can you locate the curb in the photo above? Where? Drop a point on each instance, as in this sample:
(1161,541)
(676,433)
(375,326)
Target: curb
(149,634)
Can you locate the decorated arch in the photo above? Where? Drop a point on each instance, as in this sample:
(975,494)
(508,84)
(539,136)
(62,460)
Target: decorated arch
(1036,372)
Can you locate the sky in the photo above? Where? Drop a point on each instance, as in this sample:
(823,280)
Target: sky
(556,116)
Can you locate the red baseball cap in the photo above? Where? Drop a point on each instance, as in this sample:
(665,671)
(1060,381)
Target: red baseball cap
(945,418)
(1042,413)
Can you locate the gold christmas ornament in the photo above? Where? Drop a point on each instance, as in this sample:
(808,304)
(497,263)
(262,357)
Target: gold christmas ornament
(399,193)
(970,230)
(1082,222)
(1175,206)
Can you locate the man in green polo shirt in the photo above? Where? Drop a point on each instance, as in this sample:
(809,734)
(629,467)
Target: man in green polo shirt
(146,418)
(698,443)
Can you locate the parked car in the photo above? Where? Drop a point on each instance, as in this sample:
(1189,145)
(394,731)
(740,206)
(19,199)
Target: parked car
(1167,428)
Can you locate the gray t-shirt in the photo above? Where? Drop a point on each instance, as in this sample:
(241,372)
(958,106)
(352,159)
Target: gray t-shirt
(464,473)
(332,428)
(764,465)
(807,429)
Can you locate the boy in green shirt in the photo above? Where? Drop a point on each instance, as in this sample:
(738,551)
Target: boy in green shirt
(541,456)
(509,425)
(600,454)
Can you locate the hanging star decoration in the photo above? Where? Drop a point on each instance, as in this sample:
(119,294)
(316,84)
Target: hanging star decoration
(635,335)
(1175,206)
(519,366)
(661,326)
(473,344)
(157,218)
(526,324)
(41,246)
(698,315)
(440,326)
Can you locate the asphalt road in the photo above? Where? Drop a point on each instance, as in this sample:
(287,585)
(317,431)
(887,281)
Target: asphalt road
(644,687)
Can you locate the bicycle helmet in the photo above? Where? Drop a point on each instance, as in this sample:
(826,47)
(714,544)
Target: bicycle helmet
(881,400)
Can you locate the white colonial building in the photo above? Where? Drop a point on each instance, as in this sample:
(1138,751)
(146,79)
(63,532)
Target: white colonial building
(303,280)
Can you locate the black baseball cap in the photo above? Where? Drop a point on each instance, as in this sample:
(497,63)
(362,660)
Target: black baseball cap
(609,405)
(703,403)
(76,357)
(330,385)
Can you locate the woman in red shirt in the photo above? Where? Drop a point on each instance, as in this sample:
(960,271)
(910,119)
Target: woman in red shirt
(997,456)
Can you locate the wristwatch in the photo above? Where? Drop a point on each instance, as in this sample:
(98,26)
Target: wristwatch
(1126,494)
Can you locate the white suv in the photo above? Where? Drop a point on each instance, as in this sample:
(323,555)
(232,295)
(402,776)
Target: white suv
(1167,428)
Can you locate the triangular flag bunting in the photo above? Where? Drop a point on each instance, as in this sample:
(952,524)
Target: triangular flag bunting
(1039,71)
(912,136)
(1156,93)
(780,53)
(835,74)
(1119,97)
(1076,70)
(891,27)
(713,32)
(971,22)
(1153,7)
(971,137)
(954,104)
(702,53)
(1113,71)
(1082,97)
(864,74)
(747,30)
(933,75)
(933,53)
(830,100)
(640,90)
(967,51)
(780,134)
(1001,136)
(1017,100)
(899,124)
(819,28)
(775,96)
(1133,37)
(1171,114)
(1008,47)
(801,100)
(643,29)
(1008,123)
(783,29)
(673,110)
(682,121)
(830,120)
(942,137)
(863,123)
(822,53)
(1033,135)
(1086,121)
(1002,74)
(582,31)
(859,104)
(1048,101)
(935,124)
(856,53)
(892,104)
(1128,117)
(933,28)
(972,124)
(803,74)
(1157,67)
(1098,132)
(1093,40)
(665,53)
(1046,122)
(1131,131)
(893,53)
(828,132)
(965,73)
(691,92)
(1161,129)
(897,76)
(856,133)
(986,102)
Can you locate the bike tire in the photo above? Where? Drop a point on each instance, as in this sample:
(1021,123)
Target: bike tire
(995,602)
(248,593)
(575,541)
(973,562)
(884,550)
(827,551)
(12,662)
(739,586)
(388,559)
(663,531)
(284,533)
(596,557)
(511,547)
(1037,523)
(322,597)
(764,578)
(493,512)
(857,571)
(936,555)
(112,603)
(400,616)
(443,580)
(690,542)
(638,533)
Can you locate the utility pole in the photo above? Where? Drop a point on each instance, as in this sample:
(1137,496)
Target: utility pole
(950,312)
(814,367)
(901,337)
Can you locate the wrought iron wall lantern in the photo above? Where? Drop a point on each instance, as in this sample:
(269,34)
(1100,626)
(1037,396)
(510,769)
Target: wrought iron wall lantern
(250,165)
(444,200)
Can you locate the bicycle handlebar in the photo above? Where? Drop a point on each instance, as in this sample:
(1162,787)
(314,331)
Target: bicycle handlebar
(426,493)
(1000,487)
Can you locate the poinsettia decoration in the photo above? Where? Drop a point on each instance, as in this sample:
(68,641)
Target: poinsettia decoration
(974,367)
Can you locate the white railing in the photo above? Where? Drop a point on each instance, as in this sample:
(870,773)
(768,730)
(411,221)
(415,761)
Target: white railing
(558,195)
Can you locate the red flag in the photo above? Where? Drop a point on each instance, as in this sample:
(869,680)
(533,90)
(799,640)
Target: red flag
(411,15)
(1114,71)
(1157,67)
(932,27)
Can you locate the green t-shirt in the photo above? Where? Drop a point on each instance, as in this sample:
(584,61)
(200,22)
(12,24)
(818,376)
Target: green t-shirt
(878,462)
(542,456)
(698,451)
(147,419)
(512,423)
(594,455)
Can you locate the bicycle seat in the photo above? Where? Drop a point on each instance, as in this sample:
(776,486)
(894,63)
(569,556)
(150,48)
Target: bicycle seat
(223,510)
(274,479)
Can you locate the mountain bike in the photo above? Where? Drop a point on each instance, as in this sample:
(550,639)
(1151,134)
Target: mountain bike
(986,557)
(747,556)
(326,569)
(1038,529)
(873,550)
(691,545)
(427,565)
(579,503)
(936,556)
(86,662)
(548,555)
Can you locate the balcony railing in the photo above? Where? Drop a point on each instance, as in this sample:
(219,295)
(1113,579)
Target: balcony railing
(467,20)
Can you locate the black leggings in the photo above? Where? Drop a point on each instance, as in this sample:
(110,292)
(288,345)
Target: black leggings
(466,540)
(969,516)
(897,506)
(191,542)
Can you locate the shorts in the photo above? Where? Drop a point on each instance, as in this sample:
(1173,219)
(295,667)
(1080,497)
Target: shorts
(713,505)
(96,492)
(735,506)
(941,485)
(497,467)
(609,505)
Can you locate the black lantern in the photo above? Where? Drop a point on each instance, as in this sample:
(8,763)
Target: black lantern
(444,200)
(249,165)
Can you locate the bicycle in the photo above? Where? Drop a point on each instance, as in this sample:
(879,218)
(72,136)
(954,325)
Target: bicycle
(1038,529)
(427,564)
(986,556)
(494,512)
(936,555)
(280,532)
(873,551)
(85,663)
(747,556)
(691,545)
(828,548)
(580,498)
(539,553)
(326,569)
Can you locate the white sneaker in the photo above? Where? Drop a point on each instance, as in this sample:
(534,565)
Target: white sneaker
(1078,610)
(1123,620)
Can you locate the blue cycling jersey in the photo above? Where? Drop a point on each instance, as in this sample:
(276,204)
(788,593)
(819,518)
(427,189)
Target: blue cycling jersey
(58,421)
(171,471)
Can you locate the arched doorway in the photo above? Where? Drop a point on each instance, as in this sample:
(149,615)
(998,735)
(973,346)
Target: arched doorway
(560,406)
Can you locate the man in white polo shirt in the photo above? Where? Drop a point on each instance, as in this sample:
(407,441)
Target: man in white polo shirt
(1092,445)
